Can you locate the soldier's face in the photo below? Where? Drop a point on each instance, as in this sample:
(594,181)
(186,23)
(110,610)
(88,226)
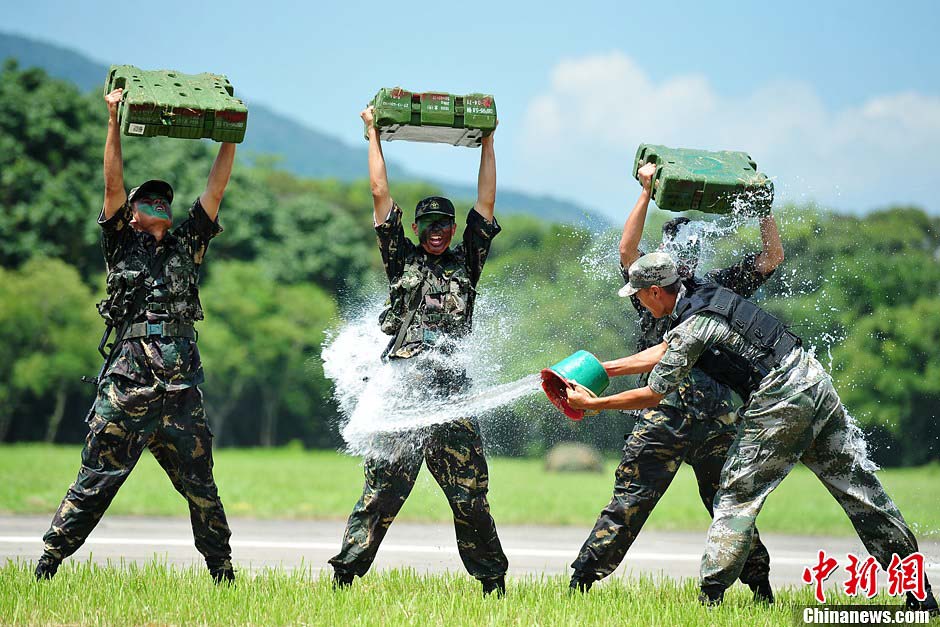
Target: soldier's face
(151,210)
(657,301)
(435,235)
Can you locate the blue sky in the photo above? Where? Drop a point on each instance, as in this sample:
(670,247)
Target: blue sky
(839,102)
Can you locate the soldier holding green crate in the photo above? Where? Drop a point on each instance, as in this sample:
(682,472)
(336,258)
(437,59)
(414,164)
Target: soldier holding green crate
(694,424)
(432,288)
(148,395)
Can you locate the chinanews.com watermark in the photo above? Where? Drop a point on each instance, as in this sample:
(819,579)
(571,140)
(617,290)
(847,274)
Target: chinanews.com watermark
(903,577)
(862,615)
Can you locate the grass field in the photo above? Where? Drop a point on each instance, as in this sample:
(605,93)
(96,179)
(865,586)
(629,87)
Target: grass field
(85,594)
(293,483)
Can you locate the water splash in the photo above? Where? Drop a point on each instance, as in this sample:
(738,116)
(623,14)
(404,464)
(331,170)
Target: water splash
(389,408)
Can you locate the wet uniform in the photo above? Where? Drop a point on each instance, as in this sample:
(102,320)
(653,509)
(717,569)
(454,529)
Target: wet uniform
(431,300)
(149,396)
(793,414)
(694,423)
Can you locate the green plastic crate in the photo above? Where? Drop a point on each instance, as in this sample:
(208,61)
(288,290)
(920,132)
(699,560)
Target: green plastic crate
(699,180)
(172,104)
(433,117)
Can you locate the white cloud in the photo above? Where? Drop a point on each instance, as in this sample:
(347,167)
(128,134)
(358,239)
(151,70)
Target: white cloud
(580,135)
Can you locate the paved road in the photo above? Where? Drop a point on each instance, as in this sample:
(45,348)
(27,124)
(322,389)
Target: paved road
(425,547)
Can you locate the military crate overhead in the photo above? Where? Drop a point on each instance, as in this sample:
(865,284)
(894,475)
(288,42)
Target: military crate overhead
(434,117)
(700,180)
(173,104)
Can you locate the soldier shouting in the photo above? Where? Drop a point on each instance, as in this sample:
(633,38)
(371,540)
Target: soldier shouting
(432,288)
(148,395)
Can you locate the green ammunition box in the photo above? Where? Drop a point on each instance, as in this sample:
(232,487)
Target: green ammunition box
(433,117)
(172,104)
(713,182)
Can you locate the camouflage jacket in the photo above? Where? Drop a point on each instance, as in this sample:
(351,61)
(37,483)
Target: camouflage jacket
(170,362)
(447,282)
(699,395)
(798,371)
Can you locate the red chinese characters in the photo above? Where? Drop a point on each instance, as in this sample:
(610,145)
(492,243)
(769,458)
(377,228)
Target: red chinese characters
(862,576)
(819,573)
(904,575)
(907,575)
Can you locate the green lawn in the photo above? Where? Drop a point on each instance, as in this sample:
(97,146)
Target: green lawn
(293,483)
(153,593)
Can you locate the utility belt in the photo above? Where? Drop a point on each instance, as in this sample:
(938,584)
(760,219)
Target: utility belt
(160,329)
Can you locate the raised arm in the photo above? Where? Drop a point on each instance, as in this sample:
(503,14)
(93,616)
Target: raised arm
(486,179)
(114,192)
(378,175)
(772,254)
(211,199)
(644,361)
(633,228)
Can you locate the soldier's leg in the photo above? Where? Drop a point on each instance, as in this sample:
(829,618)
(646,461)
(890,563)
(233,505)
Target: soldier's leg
(182,444)
(387,484)
(837,458)
(651,457)
(712,441)
(111,451)
(454,456)
(769,443)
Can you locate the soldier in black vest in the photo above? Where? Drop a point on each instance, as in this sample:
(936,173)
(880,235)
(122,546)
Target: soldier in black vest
(791,413)
(432,288)
(148,395)
(695,424)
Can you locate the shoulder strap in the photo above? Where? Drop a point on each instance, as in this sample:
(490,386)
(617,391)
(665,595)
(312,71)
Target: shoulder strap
(409,316)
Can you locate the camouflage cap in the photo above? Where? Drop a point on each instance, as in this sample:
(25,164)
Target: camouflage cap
(435,205)
(649,270)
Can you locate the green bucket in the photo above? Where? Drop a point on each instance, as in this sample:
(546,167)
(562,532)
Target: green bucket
(582,368)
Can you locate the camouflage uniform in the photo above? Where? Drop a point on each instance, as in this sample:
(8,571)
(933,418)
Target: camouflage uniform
(793,415)
(695,423)
(442,289)
(149,396)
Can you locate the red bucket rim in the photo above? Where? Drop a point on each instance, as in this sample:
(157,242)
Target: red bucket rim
(555,386)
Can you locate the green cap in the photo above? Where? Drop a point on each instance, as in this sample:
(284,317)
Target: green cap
(649,270)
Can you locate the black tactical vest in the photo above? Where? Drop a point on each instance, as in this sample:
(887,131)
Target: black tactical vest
(756,326)
(148,286)
(433,298)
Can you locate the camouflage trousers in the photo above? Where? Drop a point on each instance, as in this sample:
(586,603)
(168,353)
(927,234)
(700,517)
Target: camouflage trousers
(812,427)
(128,418)
(661,439)
(454,455)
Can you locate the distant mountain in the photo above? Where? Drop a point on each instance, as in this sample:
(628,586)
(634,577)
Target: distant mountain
(303,150)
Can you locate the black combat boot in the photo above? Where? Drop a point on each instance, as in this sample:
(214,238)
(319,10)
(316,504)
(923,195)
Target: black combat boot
(47,566)
(711,596)
(763,593)
(494,584)
(223,575)
(341,581)
(929,603)
(580,582)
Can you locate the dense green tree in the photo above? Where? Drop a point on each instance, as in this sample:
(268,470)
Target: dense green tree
(260,343)
(48,328)
(888,372)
